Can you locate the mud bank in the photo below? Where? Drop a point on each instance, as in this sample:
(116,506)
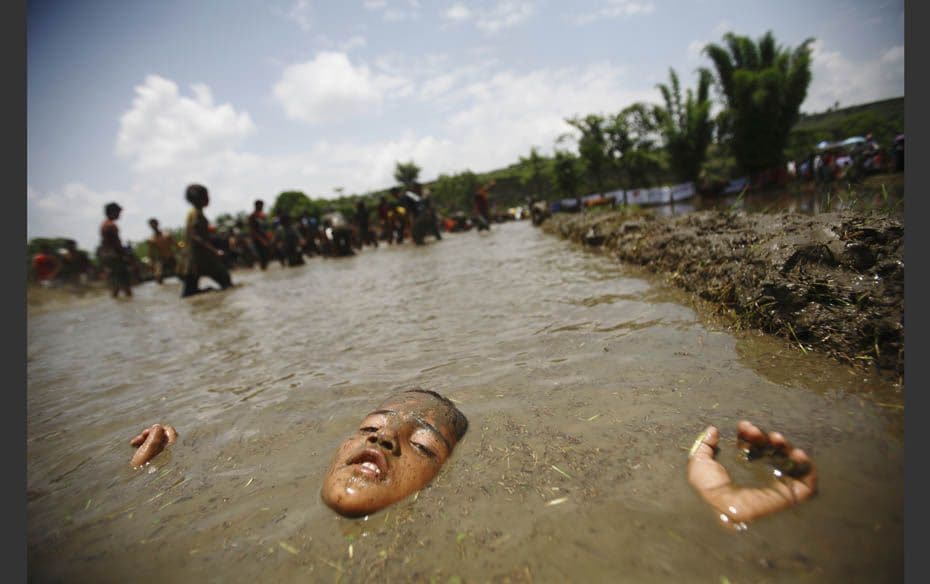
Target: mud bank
(832,282)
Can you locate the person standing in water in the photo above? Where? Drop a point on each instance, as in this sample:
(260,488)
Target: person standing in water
(199,256)
(75,264)
(112,253)
(45,265)
(161,252)
(288,239)
(483,205)
(362,222)
(259,238)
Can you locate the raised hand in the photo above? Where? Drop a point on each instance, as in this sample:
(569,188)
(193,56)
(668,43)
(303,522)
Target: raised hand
(795,476)
(151,441)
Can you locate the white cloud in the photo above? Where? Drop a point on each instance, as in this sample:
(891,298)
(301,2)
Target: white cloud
(615,9)
(330,87)
(300,13)
(480,119)
(722,28)
(457,12)
(894,56)
(696,48)
(512,111)
(837,79)
(162,127)
(437,86)
(354,42)
(503,15)
(74,210)
(395,11)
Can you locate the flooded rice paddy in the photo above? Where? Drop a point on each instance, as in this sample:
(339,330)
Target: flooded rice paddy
(585,383)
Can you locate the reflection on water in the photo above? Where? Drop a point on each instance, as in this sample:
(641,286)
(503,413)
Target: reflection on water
(585,384)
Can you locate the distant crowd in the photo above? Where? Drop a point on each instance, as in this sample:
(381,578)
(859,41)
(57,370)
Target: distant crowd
(203,250)
(849,160)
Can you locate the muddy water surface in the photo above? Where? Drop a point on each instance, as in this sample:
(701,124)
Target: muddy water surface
(585,383)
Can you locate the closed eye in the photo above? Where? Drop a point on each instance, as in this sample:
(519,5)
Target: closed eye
(425,450)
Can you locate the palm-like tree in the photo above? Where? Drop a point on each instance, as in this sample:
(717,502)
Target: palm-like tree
(686,127)
(533,172)
(565,169)
(406,173)
(592,146)
(631,145)
(764,86)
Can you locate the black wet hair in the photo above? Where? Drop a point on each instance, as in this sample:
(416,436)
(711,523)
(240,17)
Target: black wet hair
(459,421)
(195,192)
(111,208)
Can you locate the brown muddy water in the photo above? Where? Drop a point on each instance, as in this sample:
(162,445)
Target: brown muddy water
(585,383)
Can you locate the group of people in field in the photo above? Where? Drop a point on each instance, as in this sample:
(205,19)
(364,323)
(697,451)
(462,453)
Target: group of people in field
(204,251)
(849,161)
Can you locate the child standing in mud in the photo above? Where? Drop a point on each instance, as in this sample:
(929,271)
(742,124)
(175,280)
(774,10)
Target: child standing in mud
(161,252)
(199,257)
(112,253)
(260,242)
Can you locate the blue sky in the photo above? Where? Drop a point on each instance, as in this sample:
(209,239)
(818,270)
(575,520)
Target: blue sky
(131,101)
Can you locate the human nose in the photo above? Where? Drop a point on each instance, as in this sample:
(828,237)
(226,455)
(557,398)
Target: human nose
(386,439)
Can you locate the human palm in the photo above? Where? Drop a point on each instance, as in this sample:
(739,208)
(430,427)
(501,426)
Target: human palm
(795,476)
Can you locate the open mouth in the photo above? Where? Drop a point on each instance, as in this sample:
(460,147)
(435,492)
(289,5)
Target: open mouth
(370,463)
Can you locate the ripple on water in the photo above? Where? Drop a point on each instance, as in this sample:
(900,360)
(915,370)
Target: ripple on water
(561,359)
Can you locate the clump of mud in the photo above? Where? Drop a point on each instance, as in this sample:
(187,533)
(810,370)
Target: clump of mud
(833,281)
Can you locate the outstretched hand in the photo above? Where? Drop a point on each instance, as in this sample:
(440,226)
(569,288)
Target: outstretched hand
(795,476)
(151,441)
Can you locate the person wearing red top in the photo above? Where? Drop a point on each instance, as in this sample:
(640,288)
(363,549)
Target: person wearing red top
(483,206)
(45,265)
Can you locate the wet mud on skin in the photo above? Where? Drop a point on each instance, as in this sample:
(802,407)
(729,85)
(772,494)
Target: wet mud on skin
(585,383)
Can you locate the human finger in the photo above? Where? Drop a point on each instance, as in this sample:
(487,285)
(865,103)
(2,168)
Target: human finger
(705,473)
(705,445)
(779,442)
(138,440)
(171,433)
(154,444)
(748,432)
(805,483)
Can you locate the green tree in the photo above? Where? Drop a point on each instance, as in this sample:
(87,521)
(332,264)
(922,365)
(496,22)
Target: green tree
(533,173)
(567,176)
(686,127)
(406,173)
(455,191)
(592,147)
(764,86)
(632,146)
(294,203)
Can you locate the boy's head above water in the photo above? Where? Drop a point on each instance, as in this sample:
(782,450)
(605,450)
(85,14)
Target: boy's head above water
(396,451)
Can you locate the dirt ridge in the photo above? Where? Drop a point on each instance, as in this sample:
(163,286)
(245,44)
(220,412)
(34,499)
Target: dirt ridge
(832,282)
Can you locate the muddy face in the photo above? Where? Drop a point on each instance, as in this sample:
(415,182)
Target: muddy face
(396,451)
